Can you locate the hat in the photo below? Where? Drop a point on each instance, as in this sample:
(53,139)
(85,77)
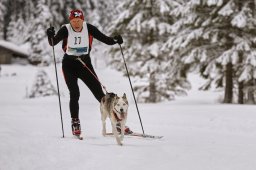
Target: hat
(76,13)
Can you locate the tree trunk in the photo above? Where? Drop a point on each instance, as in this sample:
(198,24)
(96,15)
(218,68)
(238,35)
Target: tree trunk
(250,95)
(152,88)
(229,83)
(241,93)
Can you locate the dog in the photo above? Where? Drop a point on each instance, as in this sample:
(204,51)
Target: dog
(116,109)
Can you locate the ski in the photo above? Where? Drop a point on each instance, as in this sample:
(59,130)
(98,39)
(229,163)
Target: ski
(139,135)
(145,135)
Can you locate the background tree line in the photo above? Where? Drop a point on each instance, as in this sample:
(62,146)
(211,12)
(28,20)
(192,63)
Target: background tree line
(164,40)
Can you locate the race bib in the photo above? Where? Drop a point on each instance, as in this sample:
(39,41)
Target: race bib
(78,42)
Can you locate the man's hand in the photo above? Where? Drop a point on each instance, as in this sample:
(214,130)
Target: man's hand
(118,39)
(50,32)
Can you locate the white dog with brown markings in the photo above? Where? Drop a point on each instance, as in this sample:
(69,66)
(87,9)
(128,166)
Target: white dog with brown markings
(116,109)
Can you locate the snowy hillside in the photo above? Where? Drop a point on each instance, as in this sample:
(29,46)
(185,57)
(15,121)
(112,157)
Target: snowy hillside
(198,133)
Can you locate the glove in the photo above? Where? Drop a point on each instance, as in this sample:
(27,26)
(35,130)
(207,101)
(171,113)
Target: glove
(118,39)
(50,32)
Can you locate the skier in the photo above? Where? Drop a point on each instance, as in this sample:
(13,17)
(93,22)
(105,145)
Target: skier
(77,39)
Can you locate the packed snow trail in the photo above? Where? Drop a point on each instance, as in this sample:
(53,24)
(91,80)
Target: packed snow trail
(199,134)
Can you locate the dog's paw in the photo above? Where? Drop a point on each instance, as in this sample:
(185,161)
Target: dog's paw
(104,134)
(119,142)
(122,137)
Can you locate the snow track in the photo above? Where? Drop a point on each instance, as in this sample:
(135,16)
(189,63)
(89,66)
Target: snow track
(198,134)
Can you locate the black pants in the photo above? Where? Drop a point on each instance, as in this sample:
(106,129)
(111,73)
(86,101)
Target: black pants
(72,70)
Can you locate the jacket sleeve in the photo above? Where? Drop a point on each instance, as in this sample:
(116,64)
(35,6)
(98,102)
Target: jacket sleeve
(99,35)
(61,34)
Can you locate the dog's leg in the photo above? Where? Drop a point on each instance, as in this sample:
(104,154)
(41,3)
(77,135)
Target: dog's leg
(115,133)
(103,127)
(103,120)
(122,130)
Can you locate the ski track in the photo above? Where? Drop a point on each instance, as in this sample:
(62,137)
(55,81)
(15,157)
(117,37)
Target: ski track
(199,134)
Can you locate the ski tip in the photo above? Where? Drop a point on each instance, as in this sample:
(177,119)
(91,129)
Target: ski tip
(152,136)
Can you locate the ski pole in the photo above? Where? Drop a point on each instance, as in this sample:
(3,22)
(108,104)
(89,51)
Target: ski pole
(132,89)
(57,85)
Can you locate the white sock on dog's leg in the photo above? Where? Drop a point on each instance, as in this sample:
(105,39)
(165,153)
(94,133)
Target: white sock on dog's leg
(122,131)
(104,128)
(116,134)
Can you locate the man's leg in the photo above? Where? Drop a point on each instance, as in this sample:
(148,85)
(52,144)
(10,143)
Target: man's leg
(74,93)
(71,81)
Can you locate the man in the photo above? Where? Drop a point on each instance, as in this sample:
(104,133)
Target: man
(77,39)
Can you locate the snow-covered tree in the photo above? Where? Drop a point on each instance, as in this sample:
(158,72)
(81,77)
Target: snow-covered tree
(218,37)
(2,13)
(39,43)
(101,12)
(29,23)
(42,86)
(58,12)
(145,26)
(7,13)
(17,31)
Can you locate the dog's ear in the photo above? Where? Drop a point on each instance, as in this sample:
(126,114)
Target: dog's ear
(111,95)
(124,96)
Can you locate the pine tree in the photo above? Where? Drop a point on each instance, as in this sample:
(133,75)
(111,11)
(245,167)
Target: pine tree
(10,30)
(19,26)
(39,42)
(216,37)
(16,31)
(7,16)
(42,86)
(246,50)
(2,13)
(58,12)
(145,26)
(101,13)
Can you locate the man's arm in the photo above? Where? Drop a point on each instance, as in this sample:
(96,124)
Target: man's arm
(61,34)
(99,35)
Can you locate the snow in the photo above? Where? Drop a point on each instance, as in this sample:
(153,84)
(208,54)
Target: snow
(227,9)
(19,49)
(135,22)
(199,133)
(224,58)
(214,2)
(239,20)
(164,28)
(251,58)
(245,76)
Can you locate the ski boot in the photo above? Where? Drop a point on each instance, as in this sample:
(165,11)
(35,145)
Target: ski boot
(76,129)
(127,130)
